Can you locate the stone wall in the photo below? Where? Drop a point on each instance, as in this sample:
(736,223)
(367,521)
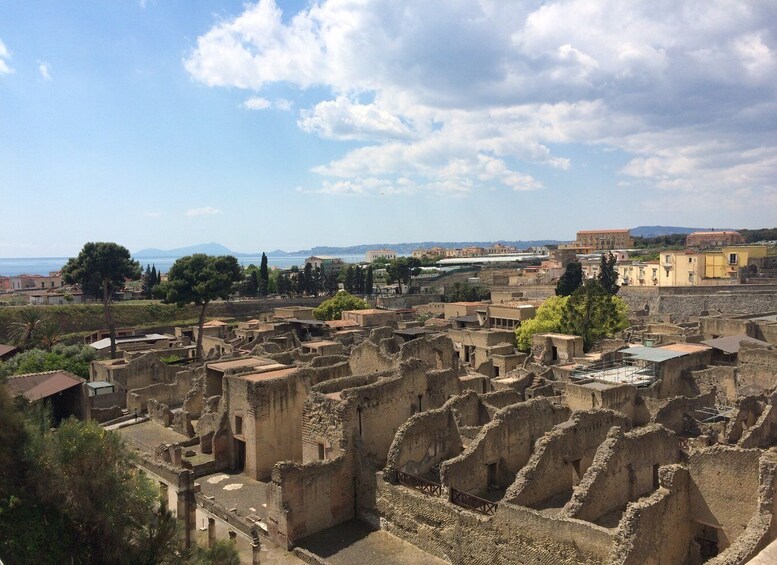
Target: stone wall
(622,398)
(513,535)
(423,441)
(624,469)
(757,367)
(724,489)
(680,413)
(561,458)
(507,441)
(656,529)
(138,372)
(270,413)
(305,499)
(171,394)
(721,379)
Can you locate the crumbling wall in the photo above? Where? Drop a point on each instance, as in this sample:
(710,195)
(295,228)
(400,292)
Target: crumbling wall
(724,490)
(423,441)
(468,409)
(757,368)
(622,398)
(721,379)
(512,536)
(501,398)
(561,458)
(680,414)
(507,441)
(624,468)
(305,499)
(763,433)
(172,394)
(139,372)
(367,357)
(656,529)
(762,527)
(326,427)
(436,352)
(385,405)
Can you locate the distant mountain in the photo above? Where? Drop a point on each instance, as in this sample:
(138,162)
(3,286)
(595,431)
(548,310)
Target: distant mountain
(401,248)
(207,248)
(655,231)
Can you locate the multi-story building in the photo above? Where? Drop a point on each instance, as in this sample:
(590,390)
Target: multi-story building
(381,254)
(727,262)
(326,263)
(604,240)
(681,268)
(708,239)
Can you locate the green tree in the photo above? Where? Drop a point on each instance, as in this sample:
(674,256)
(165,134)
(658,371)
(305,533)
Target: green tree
(368,281)
(332,308)
(358,279)
(49,334)
(72,358)
(608,275)
(401,270)
(592,313)
(571,280)
(222,552)
(350,279)
(546,320)
(251,282)
(105,266)
(264,277)
(200,278)
(25,332)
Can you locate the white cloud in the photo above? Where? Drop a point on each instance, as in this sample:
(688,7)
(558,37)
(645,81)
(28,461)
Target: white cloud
(5,57)
(44,69)
(459,96)
(204,211)
(259,103)
(256,103)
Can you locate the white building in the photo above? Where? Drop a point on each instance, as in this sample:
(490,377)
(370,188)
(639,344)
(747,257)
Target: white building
(381,254)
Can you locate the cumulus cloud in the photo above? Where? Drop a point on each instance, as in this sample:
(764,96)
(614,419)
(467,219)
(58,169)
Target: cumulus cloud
(204,211)
(5,57)
(44,69)
(456,96)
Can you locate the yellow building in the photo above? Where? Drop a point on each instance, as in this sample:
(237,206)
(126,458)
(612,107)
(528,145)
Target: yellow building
(725,263)
(681,268)
(638,273)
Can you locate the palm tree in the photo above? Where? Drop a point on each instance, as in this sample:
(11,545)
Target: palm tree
(25,332)
(49,333)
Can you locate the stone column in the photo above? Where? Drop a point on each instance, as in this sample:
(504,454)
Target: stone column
(211,532)
(256,547)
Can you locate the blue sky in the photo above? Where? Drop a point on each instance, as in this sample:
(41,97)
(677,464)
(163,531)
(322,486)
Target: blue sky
(267,125)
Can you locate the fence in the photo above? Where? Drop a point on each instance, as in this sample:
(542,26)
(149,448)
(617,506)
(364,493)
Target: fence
(425,486)
(473,502)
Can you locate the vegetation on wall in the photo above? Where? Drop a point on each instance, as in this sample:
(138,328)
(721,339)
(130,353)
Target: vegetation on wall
(332,308)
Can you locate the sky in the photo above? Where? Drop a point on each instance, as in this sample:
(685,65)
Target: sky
(290,124)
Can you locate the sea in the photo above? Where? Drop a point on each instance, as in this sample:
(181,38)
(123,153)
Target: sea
(44,265)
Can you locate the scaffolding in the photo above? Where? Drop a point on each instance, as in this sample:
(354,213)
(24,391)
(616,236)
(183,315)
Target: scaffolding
(637,372)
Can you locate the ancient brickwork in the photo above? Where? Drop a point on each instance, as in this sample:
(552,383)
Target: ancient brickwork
(624,469)
(506,442)
(561,458)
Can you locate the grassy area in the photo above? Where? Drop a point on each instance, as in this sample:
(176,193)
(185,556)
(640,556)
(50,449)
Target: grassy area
(77,320)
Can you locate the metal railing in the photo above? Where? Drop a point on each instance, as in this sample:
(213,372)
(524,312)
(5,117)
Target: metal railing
(473,502)
(424,485)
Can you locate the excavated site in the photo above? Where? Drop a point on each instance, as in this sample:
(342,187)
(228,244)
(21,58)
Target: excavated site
(657,447)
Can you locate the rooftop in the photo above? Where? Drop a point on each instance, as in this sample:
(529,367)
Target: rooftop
(604,231)
(269,375)
(35,386)
(731,344)
(106,342)
(240,363)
